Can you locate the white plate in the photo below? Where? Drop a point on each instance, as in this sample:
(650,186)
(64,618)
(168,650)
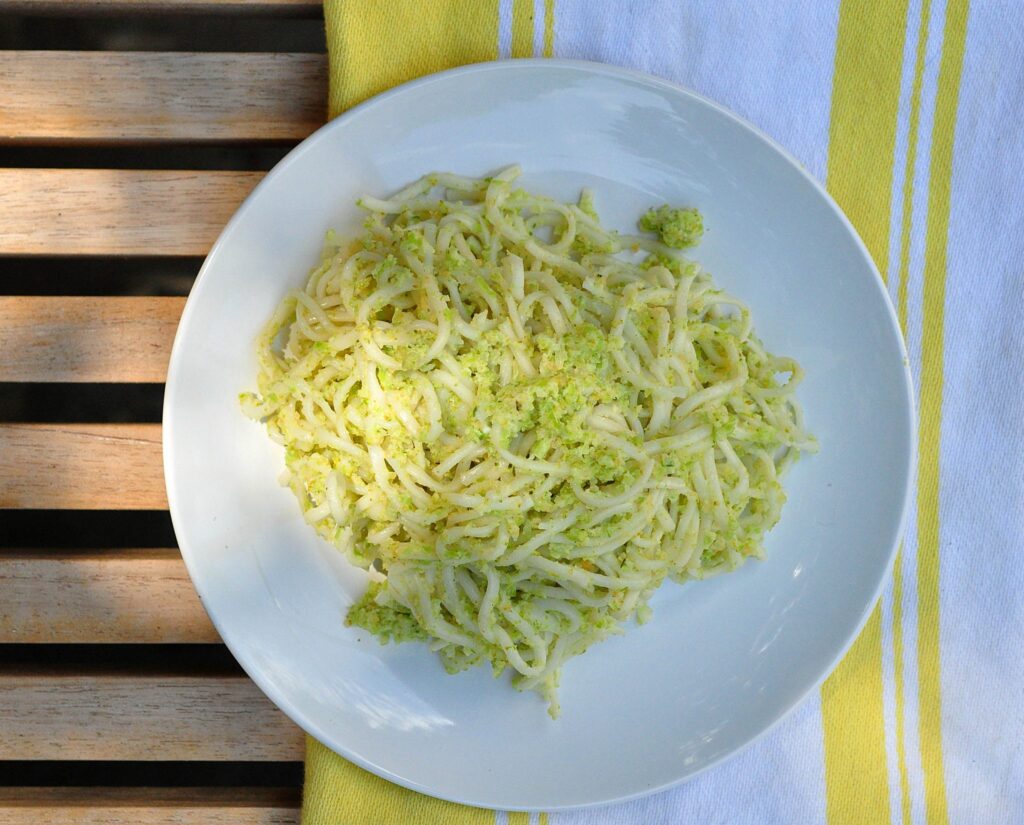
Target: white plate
(722,660)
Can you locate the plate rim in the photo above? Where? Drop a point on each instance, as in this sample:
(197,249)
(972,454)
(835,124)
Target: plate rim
(174,379)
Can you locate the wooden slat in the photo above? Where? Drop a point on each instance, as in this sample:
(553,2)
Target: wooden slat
(116,211)
(49,339)
(139,96)
(142,718)
(290,7)
(149,806)
(81,467)
(123,596)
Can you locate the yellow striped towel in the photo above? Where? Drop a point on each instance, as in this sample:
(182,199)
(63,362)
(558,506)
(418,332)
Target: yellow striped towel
(922,722)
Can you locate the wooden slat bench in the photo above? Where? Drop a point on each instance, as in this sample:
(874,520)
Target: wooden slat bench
(108,663)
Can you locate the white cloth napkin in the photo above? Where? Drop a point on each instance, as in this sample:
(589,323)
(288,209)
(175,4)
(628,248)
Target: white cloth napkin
(912,113)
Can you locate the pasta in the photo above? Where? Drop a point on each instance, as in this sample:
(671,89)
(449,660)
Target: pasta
(522,423)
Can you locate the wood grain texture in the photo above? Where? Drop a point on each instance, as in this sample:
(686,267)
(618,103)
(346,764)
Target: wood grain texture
(142,718)
(78,339)
(117,211)
(144,96)
(81,467)
(303,8)
(149,806)
(123,596)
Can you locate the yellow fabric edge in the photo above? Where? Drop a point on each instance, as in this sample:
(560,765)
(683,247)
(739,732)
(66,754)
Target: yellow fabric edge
(374,45)
(336,791)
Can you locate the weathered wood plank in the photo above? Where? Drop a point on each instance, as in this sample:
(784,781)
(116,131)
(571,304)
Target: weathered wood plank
(77,96)
(81,467)
(117,211)
(79,339)
(142,718)
(250,7)
(122,596)
(149,806)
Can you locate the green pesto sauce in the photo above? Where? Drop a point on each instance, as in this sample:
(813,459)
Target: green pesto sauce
(678,228)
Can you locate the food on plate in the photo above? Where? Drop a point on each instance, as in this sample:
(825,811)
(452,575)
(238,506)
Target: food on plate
(521,423)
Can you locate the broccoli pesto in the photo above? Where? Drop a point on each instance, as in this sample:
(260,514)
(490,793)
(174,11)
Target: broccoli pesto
(677,228)
(519,431)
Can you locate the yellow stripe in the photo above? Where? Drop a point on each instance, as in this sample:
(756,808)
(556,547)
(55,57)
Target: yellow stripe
(338,791)
(522,28)
(908,173)
(897,655)
(377,44)
(549,43)
(901,303)
(518,818)
(862,145)
(934,298)
(856,788)
(865,100)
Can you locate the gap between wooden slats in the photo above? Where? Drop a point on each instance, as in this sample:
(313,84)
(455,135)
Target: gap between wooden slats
(117,211)
(122,596)
(76,96)
(81,467)
(149,806)
(142,718)
(79,339)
